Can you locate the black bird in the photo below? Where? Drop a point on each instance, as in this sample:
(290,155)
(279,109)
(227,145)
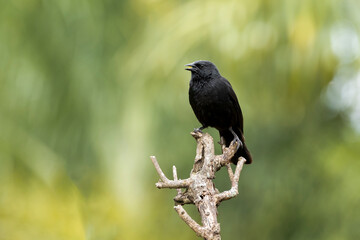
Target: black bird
(215,104)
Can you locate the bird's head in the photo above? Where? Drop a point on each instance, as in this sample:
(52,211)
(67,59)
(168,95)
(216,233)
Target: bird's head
(202,69)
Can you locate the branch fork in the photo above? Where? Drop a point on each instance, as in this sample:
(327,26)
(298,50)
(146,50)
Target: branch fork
(199,187)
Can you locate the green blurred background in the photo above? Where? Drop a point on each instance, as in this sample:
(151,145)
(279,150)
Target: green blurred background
(90,89)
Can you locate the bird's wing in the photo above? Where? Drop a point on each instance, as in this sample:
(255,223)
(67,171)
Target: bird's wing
(234,100)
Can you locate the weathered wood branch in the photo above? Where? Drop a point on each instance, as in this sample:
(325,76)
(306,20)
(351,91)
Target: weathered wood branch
(165,182)
(199,187)
(199,230)
(234,182)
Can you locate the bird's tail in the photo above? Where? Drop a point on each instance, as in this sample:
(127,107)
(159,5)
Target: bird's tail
(242,151)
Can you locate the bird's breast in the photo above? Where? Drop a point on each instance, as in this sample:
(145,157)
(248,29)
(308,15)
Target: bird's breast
(210,105)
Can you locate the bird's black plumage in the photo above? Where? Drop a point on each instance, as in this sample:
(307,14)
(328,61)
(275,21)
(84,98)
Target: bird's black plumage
(215,105)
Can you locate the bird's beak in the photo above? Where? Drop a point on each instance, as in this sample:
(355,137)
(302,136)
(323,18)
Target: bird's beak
(190,67)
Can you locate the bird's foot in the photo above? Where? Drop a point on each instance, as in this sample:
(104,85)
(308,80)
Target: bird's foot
(199,130)
(236,139)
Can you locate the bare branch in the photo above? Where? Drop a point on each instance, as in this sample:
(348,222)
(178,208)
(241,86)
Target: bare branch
(158,169)
(230,172)
(200,189)
(181,197)
(175,178)
(228,153)
(234,178)
(165,182)
(200,231)
(238,169)
(199,149)
(174,184)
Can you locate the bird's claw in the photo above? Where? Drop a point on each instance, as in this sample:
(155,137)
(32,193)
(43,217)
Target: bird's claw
(236,139)
(198,130)
(239,143)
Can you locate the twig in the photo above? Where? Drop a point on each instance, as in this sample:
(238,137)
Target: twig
(165,182)
(174,184)
(175,178)
(200,231)
(234,178)
(158,169)
(230,172)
